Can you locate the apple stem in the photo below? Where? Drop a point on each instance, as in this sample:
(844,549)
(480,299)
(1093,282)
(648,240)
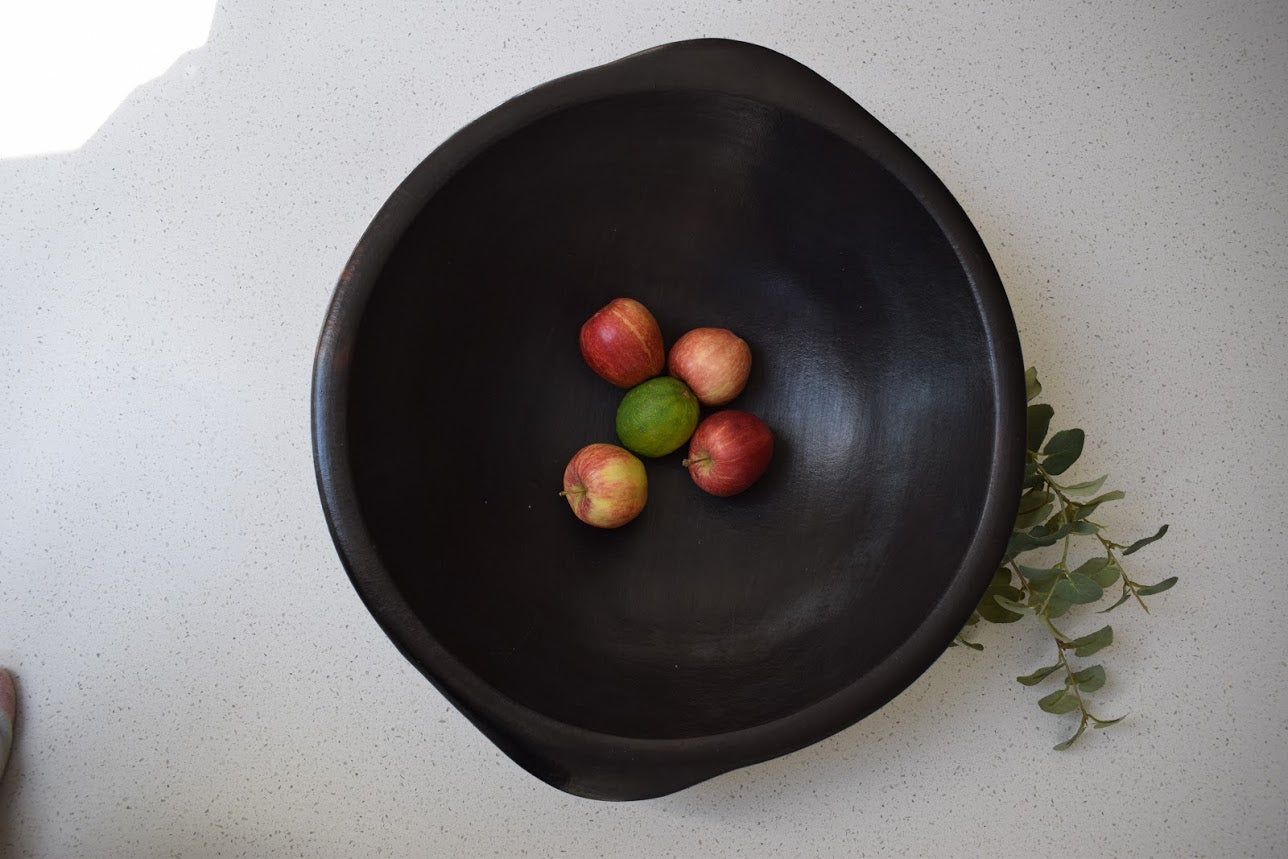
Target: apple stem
(565,493)
(697,459)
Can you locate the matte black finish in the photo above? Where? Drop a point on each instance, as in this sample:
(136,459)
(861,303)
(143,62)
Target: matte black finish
(720,184)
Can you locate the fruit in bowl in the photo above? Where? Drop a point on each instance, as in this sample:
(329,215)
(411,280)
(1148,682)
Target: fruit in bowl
(657,417)
(623,343)
(605,485)
(729,452)
(713,362)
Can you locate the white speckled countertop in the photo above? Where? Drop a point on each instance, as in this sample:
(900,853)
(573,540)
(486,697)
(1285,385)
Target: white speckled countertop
(196,675)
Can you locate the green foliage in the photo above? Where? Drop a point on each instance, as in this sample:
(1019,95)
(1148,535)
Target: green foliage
(1092,643)
(1150,590)
(1062,451)
(1038,676)
(1031,384)
(1090,679)
(1039,422)
(1140,544)
(1077,589)
(1049,516)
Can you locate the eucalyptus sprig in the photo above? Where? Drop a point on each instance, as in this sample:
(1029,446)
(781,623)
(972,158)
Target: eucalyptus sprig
(1052,515)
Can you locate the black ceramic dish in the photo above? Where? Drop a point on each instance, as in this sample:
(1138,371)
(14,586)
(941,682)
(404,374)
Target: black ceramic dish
(721,184)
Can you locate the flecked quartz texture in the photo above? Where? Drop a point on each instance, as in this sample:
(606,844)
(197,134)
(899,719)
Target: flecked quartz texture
(196,676)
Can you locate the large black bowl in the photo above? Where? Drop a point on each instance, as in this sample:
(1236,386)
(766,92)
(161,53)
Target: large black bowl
(721,184)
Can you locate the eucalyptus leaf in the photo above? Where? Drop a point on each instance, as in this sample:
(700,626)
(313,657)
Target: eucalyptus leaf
(1082,490)
(1064,530)
(1063,450)
(1090,679)
(1089,644)
(1057,606)
(1082,726)
(1085,510)
(1032,387)
(1040,596)
(1039,419)
(1038,676)
(1101,571)
(1033,500)
(1045,535)
(1059,701)
(1089,568)
(1078,589)
(994,613)
(1122,599)
(1024,542)
(1107,575)
(1012,605)
(1083,527)
(1105,723)
(1140,544)
(1036,575)
(1164,585)
(1033,517)
(997,614)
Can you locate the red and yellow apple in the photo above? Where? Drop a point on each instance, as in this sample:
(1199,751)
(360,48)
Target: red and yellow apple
(729,452)
(605,485)
(623,343)
(713,362)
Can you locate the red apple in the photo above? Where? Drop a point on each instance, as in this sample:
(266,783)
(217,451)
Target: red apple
(622,343)
(729,451)
(605,485)
(713,362)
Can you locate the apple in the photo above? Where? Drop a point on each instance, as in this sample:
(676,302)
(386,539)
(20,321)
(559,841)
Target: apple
(605,485)
(623,344)
(713,362)
(729,451)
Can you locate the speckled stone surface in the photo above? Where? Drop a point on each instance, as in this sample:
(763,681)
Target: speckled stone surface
(197,677)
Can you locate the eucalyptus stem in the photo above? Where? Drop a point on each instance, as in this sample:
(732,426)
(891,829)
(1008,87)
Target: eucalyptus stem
(1051,513)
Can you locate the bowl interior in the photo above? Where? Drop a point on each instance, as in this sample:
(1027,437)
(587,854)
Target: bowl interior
(468,395)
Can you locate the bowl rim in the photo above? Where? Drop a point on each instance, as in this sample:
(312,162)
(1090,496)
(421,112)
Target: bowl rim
(572,758)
